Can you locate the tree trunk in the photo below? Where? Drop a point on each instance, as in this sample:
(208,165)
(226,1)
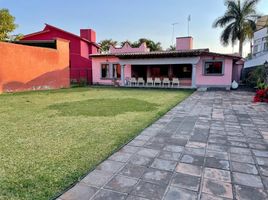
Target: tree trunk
(241,47)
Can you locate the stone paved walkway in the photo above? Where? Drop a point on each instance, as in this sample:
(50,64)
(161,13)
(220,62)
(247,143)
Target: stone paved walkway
(212,146)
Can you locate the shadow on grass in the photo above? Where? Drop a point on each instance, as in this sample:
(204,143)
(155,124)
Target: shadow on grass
(102,107)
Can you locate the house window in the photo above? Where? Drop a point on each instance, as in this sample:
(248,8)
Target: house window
(256,49)
(111,71)
(265,48)
(116,71)
(213,68)
(105,71)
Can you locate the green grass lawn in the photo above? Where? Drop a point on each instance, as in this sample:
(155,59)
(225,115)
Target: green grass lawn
(49,139)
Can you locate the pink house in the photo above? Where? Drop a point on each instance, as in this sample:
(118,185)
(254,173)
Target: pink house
(80,47)
(194,68)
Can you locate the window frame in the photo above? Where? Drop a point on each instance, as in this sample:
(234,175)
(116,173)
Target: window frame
(112,65)
(265,46)
(213,74)
(110,70)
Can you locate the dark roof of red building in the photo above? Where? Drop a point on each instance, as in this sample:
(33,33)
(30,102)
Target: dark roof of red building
(45,30)
(166,54)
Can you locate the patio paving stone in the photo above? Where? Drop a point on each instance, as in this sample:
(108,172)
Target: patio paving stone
(120,156)
(157,176)
(166,155)
(109,195)
(241,158)
(186,181)
(244,168)
(213,162)
(217,174)
(149,190)
(193,159)
(97,178)
(249,193)
(79,191)
(217,188)
(164,164)
(110,166)
(189,169)
(134,171)
(121,184)
(177,193)
(247,180)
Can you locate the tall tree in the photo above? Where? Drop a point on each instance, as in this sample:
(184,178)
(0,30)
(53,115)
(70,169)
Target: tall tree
(171,48)
(105,44)
(238,21)
(154,46)
(7,24)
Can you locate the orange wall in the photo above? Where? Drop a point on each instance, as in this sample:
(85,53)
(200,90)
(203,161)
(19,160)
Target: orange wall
(33,68)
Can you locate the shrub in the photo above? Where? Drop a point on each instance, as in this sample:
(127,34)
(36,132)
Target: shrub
(82,82)
(258,75)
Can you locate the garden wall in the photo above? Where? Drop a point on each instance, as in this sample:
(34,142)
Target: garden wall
(34,68)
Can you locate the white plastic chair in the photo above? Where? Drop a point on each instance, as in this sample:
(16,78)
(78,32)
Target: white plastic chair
(175,81)
(133,81)
(150,82)
(140,81)
(166,82)
(157,81)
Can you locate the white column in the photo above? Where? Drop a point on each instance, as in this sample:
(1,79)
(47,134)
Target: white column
(193,76)
(122,75)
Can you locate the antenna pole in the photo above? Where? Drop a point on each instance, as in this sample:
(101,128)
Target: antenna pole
(173,32)
(189,19)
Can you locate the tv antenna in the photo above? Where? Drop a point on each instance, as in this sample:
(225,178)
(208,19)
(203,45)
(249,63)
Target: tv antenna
(189,20)
(173,29)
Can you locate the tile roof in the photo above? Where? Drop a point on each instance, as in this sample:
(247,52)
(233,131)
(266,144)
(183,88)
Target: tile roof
(165,54)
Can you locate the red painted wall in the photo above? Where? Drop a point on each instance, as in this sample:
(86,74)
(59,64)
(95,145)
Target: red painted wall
(80,63)
(34,68)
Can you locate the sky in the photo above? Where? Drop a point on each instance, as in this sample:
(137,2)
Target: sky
(128,19)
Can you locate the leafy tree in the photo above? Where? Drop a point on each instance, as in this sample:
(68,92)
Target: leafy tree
(126,41)
(238,21)
(7,24)
(105,44)
(16,37)
(172,48)
(154,46)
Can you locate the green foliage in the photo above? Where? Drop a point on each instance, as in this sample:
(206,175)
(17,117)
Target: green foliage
(238,21)
(7,24)
(16,37)
(172,48)
(257,76)
(82,82)
(153,46)
(262,85)
(43,151)
(105,44)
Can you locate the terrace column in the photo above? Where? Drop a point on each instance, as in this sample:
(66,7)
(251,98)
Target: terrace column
(194,76)
(123,75)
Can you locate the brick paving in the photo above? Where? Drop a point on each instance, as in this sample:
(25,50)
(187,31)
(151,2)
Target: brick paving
(212,146)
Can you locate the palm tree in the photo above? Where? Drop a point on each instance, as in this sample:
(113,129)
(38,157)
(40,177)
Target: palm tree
(105,44)
(153,46)
(238,21)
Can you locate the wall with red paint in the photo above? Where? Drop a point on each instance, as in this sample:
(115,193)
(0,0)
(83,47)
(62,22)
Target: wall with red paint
(34,68)
(80,63)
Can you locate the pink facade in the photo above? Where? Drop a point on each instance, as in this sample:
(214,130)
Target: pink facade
(126,48)
(80,48)
(97,62)
(184,43)
(224,80)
